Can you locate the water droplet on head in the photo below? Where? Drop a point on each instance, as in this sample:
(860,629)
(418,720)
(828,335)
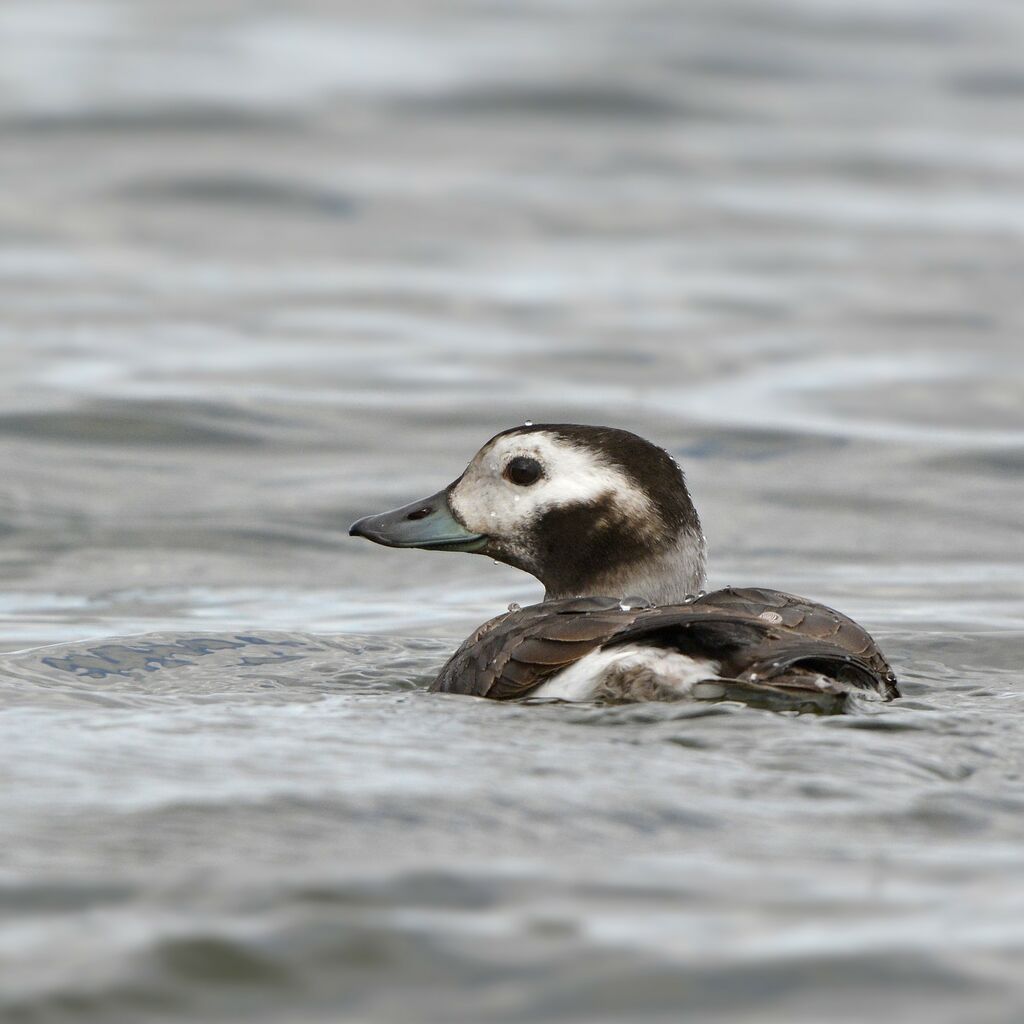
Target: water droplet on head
(514,606)
(528,423)
(494,515)
(515,497)
(701,593)
(623,607)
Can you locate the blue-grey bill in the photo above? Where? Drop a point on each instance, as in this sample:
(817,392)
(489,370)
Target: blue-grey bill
(428,523)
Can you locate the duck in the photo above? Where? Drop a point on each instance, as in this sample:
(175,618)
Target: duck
(603,519)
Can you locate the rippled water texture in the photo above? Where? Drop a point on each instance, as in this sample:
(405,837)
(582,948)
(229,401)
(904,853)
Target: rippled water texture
(266,268)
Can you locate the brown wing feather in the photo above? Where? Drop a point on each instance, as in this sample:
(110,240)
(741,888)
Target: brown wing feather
(761,638)
(810,622)
(518,651)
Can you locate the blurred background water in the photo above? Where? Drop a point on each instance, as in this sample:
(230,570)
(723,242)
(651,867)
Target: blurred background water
(266,268)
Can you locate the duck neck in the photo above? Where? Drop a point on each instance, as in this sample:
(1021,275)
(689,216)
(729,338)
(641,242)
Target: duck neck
(667,576)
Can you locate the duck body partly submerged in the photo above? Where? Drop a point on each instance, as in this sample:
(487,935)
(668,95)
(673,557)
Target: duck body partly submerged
(751,644)
(604,519)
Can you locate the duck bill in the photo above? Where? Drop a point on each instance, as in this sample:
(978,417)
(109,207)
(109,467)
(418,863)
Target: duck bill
(428,523)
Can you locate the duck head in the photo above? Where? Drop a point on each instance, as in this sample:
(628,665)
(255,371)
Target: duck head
(587,510)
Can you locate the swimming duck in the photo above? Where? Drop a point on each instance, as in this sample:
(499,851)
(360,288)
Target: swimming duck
(604,520)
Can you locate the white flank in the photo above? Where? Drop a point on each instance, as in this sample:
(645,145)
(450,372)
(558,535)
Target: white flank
(674,671)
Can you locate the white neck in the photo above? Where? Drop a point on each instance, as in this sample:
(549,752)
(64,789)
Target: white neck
(667,577)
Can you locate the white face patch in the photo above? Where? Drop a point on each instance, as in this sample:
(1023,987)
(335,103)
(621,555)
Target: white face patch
(488,503)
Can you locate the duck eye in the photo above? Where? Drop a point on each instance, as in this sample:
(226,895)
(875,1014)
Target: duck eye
(523,471)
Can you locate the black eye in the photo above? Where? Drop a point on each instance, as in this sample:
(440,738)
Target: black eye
(523,471)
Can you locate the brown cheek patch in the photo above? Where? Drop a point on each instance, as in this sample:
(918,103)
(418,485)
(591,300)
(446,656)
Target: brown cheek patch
(576,543)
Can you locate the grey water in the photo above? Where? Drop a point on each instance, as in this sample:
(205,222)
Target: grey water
(267,268)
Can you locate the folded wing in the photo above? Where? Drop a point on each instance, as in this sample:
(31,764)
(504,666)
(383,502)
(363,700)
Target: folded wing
(773,648)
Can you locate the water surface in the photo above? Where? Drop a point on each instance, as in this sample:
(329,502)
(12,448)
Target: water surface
(265,271)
